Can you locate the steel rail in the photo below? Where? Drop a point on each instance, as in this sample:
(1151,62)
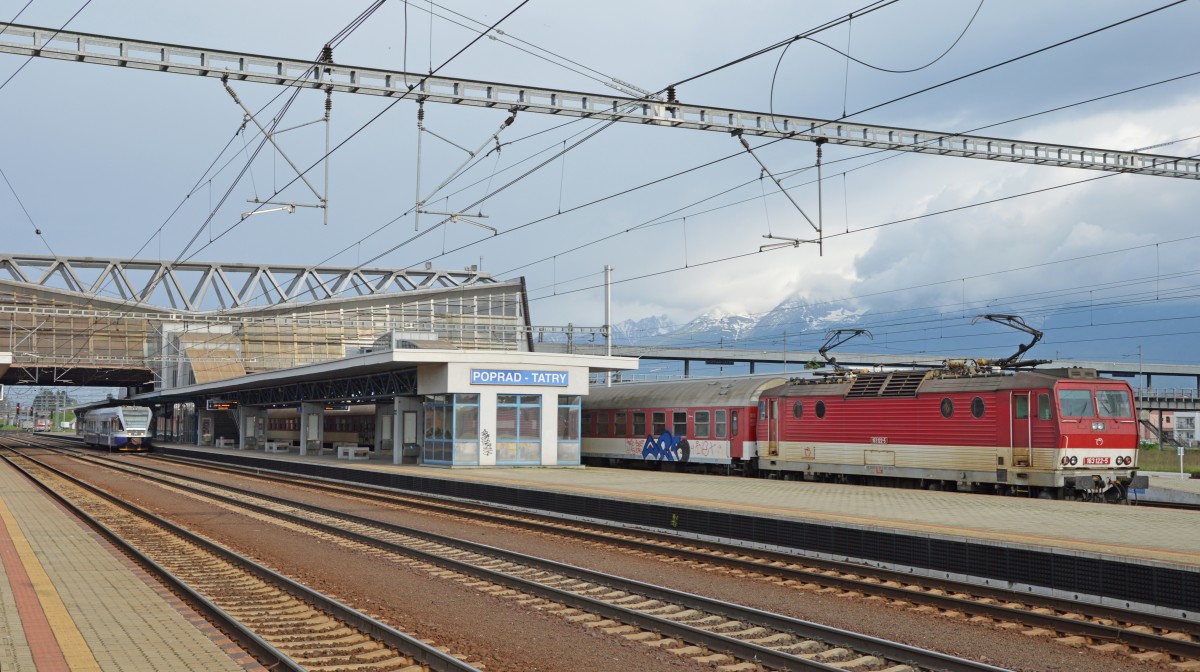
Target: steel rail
(124,52)
(741,649)
(1062,624)
(406,644)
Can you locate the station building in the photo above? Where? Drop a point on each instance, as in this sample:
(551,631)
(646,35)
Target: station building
(438,367)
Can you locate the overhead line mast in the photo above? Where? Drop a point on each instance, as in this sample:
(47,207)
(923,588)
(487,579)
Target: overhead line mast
(163,57)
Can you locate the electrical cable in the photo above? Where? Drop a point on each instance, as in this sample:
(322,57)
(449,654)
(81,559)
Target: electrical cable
(52,36)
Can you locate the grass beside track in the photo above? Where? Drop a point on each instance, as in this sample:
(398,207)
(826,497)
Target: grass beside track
(1167,459)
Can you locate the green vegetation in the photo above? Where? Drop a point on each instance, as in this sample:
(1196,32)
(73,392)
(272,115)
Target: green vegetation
(1150,458)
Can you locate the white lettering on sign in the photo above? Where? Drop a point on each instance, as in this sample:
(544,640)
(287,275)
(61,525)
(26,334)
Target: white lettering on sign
(519,377)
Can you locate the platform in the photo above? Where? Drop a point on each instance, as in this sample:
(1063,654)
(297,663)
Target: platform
(1127,532)
(71,601)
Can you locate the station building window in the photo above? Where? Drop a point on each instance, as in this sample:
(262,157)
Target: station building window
(568,428)
(519,429)
(452,429)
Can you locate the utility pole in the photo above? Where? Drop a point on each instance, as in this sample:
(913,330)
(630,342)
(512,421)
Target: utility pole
(608,320)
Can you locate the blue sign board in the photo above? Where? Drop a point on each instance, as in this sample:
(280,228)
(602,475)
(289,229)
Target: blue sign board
(518,377)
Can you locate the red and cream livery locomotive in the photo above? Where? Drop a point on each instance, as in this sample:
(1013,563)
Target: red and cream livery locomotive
(1054,433)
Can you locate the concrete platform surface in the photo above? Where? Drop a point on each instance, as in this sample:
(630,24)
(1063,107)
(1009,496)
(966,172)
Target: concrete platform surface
(1110,530)
(70,601)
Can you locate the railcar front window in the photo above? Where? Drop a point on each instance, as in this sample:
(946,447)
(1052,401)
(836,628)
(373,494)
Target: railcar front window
(1076,403)
(1113,404)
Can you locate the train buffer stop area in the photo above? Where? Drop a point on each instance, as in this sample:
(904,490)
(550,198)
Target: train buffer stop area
(428,406)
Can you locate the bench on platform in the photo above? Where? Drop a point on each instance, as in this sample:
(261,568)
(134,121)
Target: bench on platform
(353,452)
(277,446)
(223,442)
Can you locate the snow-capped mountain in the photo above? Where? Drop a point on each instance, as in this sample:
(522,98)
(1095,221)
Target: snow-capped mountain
(763,330)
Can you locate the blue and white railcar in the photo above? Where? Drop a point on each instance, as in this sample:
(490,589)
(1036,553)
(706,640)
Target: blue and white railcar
(125,428)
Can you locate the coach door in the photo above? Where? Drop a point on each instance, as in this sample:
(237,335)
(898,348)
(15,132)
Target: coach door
(1022,430)
(772,410)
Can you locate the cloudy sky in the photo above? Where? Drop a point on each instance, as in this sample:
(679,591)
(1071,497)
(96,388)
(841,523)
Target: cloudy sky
(100,157)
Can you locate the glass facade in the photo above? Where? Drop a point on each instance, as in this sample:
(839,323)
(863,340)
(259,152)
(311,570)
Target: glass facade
(568,428)
(518,429)
(452,429)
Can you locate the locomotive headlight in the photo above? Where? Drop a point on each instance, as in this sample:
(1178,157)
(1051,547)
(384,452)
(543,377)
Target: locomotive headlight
(1097,426)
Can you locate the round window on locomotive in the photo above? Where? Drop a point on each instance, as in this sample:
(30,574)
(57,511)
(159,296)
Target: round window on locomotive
(820,409)
(798,409)
(947,407)
(977,407)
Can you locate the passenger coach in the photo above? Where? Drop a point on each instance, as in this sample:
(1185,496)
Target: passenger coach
(707,423)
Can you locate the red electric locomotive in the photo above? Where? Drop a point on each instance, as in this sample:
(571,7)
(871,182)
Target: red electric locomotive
(1054,433)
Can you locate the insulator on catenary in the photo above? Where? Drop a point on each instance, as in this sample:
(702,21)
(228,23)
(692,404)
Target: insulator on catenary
(671,94)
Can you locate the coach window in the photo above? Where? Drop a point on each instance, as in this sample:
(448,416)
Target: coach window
(679,423)
(1020,407)
(798,410)
(587,423)
(733,423)
(1043,406)
(947,408)
(568,428)
(639,424)
(620,425)
(719,418)
(977,407)
(820,409)
(702,424)
(658,423)
(602,424)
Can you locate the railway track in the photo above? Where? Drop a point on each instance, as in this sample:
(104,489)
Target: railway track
(282,623)
(1070,622)
(707,631)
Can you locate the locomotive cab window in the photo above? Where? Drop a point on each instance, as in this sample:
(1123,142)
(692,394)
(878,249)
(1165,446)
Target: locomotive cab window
(1043,409)
(1076,403)
(1113,404)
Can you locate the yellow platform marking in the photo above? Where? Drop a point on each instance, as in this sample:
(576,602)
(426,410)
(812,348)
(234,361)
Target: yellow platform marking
(74,648)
